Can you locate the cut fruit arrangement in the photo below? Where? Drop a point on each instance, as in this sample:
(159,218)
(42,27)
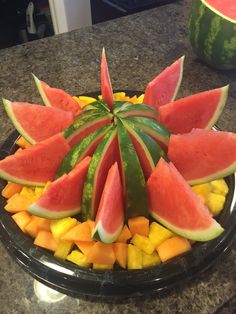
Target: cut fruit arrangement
(118,163)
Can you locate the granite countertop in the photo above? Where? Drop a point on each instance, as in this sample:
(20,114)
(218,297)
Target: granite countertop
(138,47)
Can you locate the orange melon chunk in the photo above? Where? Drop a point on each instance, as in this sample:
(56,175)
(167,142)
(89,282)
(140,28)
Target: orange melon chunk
(17,203)
(173,247)
(101,253)
(125,235)
(139,225)
(45,240)
(121,253)
(10,189)
(22,142)
(37,224)
(91,224)
(81,232)
(22,219)
(85,246)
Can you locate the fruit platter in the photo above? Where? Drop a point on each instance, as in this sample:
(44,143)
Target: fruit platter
(118,193)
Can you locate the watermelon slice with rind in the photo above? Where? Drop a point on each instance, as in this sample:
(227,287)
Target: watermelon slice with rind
(37,165)
(63,196)
(140,110)
(164,88)
(134,185)
(110,215)
(85,147)
(148,151)
(30,120)
(201,111)
(106,87)
(203,155)
(55,97)
(173,203)
(103,158)
(85,123)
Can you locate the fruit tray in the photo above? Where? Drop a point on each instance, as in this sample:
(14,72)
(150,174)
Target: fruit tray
(74,280)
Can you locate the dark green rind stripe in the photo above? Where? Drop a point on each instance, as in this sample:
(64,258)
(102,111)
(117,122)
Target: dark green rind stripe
(88,209)
(121,105)
(79,151)
(99,104)
(152,127)
(137,110)
(213,38)
(136,195)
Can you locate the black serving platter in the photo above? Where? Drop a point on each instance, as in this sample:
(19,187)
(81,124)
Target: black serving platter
(77,281)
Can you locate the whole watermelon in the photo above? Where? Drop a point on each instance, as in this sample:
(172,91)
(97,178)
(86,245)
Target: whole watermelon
(212,28)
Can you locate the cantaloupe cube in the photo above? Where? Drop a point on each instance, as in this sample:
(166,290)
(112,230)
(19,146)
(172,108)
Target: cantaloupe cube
(215,203)
(134,257)
(78,258)
(10,189)
(37,224)
(149,260)
(91,224)
(17,203)
(121,253)
(158,234)
(85,246)
(46,240)
(173,247)
(143,243)
(80,232)
(101,253)
(102,266)
(60,226)
(63,249)
(125,235)
(219,187)
(23,143)
(139,225)
(21,219)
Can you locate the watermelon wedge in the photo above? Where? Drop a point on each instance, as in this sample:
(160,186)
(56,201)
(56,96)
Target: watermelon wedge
(55,97)
(164,88)
(173,203)
(129,110)
(63,197)
(87,122)
(110,216)
(37,165)
(107,93)
(30,120)
(104,157)
(201,111)
(203,155)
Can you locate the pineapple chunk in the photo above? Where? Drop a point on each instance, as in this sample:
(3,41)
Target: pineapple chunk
(60,226)
(215,203)
(158,234)
(149,260)
(38,191)
(102,266)
(202,191)
(143,243)
(27,192)
(134,257)
(78,258)
(219,187)
(63,249)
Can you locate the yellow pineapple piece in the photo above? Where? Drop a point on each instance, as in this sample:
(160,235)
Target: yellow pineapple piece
(60,226)
(63,249)
(134,257)
(39,191)
(27,192)
(47,186)
(119,95)
(87,99)
(219,187)
(140,99)
(158,234)
(149,260)
(78,258)
(202,191)
(102,266)
(215,203)
(143,243)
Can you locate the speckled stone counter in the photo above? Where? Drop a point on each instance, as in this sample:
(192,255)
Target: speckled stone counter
(138,47)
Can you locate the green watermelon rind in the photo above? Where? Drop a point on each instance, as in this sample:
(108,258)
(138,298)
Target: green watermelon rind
(4,175)
(36,210)
(98,104)
(17,125)
(202,235)
(137,110)
(180,78)
(100,234)
(41,91)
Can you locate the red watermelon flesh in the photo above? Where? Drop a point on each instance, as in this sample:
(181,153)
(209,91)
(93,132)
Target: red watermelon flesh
(35,122)
(55,97)
(203,155)
(173,203)
(110,215)
(201,110)
(63,196)
(226,7)
(163,89)
(36,165)
(107,93)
